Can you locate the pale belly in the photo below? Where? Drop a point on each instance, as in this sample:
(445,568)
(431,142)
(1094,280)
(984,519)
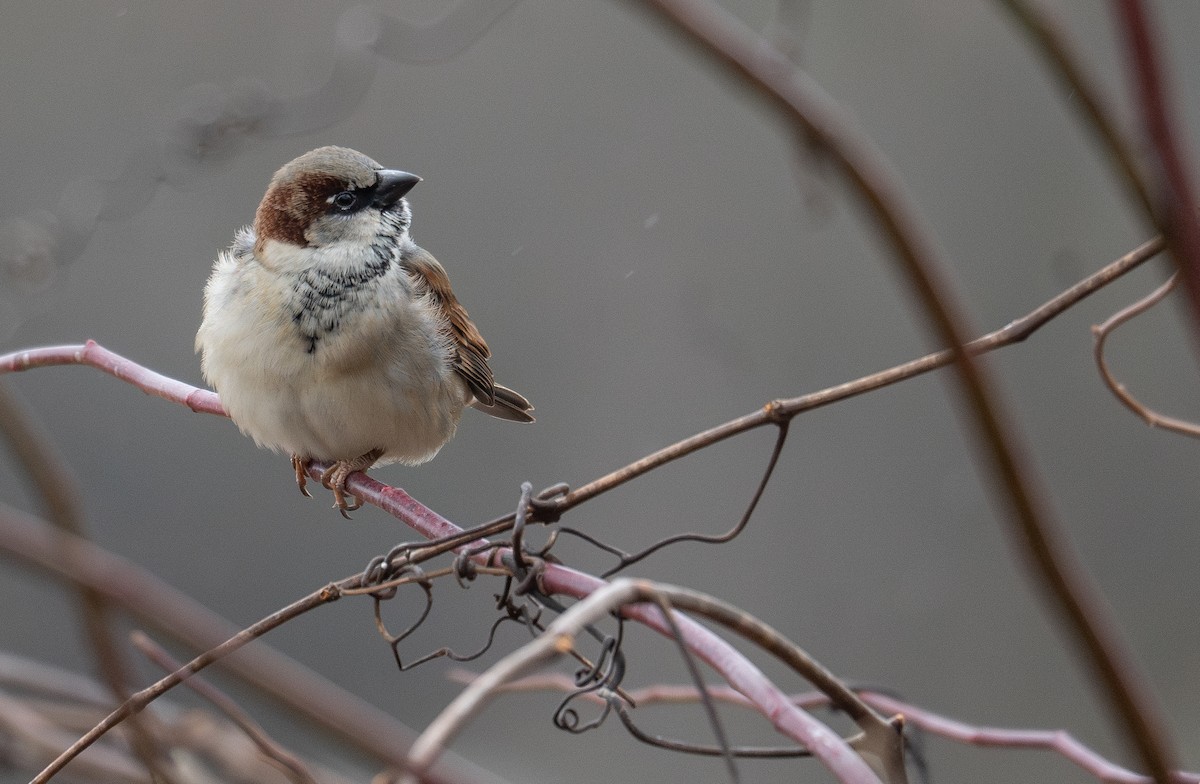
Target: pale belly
(340,418)
(381,380)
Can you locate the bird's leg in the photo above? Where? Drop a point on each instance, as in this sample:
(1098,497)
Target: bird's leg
(300,466)
(334,478)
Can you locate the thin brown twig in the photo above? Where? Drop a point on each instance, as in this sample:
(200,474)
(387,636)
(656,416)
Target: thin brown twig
(287,762)
(31,737)
(806,108)
(1014,332)
(1101,333)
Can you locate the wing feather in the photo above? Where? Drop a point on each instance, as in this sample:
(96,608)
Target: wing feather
(471,350)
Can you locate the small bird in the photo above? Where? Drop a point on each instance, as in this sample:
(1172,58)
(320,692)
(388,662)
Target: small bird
(330,335)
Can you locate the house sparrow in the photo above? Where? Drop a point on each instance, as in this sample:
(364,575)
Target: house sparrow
(330,335)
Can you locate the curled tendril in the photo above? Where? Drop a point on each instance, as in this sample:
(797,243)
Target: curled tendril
(602,677)
(518,531)
(449,653)
(382,568)
(567,718)
(387,594)
(547,504)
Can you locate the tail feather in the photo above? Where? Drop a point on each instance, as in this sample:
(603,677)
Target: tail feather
(509,405)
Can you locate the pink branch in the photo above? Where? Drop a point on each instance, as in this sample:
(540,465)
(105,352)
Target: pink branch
(92,353)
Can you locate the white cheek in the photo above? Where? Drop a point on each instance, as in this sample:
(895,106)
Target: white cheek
(357,229)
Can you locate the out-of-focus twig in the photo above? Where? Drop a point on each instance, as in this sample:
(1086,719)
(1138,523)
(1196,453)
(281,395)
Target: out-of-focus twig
(33,739)
(140,699)
(1101,333)
(50,477)
(1063,62)
(1175,197)
(161,606)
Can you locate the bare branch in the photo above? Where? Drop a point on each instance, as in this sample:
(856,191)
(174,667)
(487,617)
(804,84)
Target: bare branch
(94,355)
(1101,333)
(1014,332)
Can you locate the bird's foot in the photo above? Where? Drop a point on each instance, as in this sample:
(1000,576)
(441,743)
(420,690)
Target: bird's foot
(334,478)
(300,466)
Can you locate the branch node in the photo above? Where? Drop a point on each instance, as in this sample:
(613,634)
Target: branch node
(776,411)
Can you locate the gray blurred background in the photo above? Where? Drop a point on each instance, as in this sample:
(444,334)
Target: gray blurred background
(648,256)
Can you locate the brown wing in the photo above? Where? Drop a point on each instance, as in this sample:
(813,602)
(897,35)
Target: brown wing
(471,349)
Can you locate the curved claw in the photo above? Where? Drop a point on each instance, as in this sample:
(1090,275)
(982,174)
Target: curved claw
(300,466)
(334,478)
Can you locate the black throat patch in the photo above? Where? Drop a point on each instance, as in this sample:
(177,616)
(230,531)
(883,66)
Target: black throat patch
(323,298)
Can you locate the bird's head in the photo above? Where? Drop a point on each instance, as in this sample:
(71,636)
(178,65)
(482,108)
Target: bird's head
(333,195)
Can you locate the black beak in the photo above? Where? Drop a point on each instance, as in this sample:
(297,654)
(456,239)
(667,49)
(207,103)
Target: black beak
(391,186)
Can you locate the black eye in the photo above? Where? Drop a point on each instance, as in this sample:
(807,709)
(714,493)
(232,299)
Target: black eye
(345,201)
